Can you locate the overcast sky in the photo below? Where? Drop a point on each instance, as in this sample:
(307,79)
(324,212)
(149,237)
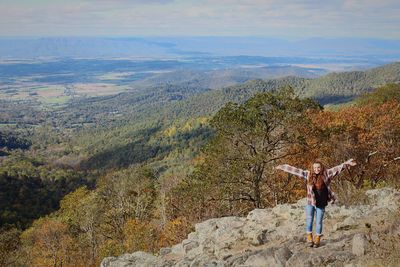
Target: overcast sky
(289,19)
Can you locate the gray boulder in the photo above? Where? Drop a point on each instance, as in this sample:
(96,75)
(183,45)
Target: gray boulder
(359,244)
(276,237)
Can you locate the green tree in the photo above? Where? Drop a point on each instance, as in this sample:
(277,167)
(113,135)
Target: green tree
(389,92)
(250,139)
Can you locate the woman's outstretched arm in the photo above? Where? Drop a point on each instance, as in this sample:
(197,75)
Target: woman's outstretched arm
(332,172)
(293,170)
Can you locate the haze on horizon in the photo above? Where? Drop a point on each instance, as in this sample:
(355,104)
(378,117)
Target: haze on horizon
(290,20)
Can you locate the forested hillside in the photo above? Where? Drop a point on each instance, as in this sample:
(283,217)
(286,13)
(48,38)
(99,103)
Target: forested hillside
(349,84)
(107,175)
(216,79)
(166,109)
(187,101)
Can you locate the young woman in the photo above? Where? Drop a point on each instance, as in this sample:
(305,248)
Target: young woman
(319,193)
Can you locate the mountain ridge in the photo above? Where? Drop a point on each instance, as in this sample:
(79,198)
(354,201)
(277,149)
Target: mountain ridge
(188,100)
(29,47)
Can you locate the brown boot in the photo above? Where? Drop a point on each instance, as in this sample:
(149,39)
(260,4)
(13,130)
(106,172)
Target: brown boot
(310,239)
(317,241)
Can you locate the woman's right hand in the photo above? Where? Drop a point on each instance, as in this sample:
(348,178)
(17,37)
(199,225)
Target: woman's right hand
(351,162)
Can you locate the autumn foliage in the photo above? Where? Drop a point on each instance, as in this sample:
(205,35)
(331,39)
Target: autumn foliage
(134,209)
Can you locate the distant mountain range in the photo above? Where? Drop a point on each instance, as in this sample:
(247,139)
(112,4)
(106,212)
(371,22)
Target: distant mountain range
(342,49)
(215,79)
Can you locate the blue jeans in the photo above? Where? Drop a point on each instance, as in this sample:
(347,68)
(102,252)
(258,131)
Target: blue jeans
(310,211)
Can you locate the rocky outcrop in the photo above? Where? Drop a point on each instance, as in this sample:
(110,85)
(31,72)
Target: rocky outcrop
(276,237)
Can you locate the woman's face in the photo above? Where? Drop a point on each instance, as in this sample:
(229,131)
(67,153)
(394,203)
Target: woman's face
(317,168)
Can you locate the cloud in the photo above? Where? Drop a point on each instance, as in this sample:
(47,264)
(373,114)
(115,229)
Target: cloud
(132,2)
(290,18)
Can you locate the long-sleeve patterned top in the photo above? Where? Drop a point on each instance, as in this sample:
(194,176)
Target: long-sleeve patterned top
(328,176)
